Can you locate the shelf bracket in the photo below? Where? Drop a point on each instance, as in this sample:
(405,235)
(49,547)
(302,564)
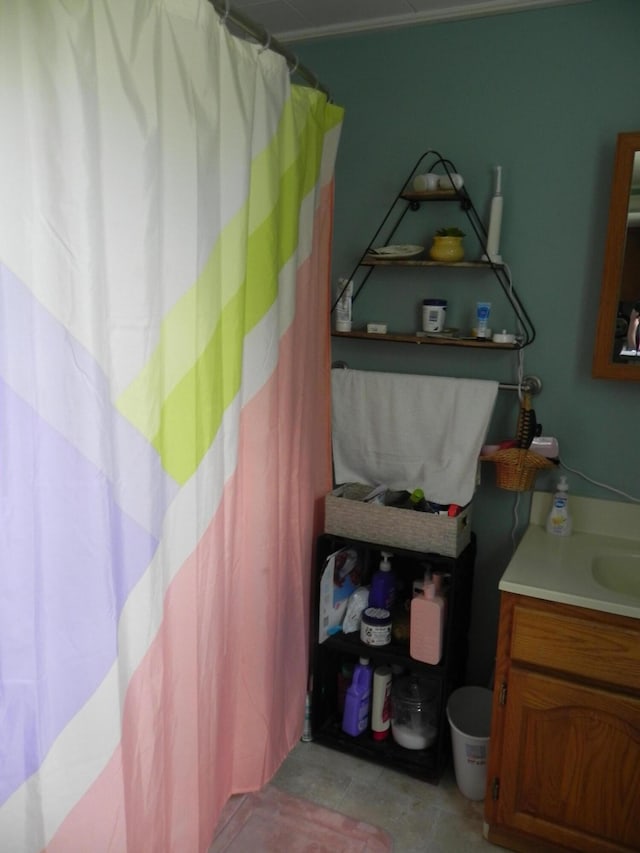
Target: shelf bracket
(530,385)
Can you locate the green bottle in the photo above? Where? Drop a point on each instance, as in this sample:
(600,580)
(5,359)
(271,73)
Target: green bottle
(417,500)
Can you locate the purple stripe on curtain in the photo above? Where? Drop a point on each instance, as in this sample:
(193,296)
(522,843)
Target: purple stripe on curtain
(56,375)
(69,553)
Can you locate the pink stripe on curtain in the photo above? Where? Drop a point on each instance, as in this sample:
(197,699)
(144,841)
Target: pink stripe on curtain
(218,701)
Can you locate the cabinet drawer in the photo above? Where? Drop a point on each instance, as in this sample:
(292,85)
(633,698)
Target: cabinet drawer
(582,646)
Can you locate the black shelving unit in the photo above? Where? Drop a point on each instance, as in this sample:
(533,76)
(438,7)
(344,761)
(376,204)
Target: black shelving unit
(328,657)
(406,201)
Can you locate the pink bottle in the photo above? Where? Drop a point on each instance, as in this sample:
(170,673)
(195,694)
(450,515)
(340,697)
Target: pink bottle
(427,624)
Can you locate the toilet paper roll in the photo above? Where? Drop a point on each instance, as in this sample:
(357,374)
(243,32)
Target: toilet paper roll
(426,183)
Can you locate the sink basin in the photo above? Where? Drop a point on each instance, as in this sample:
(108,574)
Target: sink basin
(618,572)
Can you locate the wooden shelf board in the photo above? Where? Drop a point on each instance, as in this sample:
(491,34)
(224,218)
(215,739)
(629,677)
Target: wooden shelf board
(374,261)
(433,195)
(415,339)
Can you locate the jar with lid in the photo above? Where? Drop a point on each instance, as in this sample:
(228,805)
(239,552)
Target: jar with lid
(433,314)
(414,711)
(375,627)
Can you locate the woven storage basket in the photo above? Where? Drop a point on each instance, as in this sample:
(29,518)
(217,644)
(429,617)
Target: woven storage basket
(516,468)
(347,515)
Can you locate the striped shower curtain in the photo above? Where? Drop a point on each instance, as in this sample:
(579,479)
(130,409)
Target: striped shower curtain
(165,221)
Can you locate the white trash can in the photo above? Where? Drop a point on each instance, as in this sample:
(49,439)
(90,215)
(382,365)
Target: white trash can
(469,714)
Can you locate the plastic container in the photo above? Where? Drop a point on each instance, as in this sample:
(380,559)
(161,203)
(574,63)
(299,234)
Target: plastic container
(483,310)
(427,624)
(414,712)
(559,518)
(381,703)
(358,602)
(344,304)
(434,312)
(307,732)
(357,702)
(469,715)
(495,221)
(375,627)
(426,183)
(418,501)
(344,679)
(383,585)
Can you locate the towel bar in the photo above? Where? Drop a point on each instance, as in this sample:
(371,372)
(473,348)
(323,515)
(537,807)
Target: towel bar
(529,384)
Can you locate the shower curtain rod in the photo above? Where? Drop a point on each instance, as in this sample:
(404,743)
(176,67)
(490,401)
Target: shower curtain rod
(264,37)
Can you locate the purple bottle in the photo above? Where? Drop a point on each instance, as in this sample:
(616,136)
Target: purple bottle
(383,585)
(355,719)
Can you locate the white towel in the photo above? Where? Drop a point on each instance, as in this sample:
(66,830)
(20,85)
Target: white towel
(410,431)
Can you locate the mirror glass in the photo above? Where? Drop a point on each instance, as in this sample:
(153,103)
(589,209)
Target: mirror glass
(617,348)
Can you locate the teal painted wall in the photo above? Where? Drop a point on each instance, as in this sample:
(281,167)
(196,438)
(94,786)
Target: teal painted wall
(542,93)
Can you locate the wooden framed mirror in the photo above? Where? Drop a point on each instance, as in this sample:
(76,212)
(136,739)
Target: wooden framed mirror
(617,346)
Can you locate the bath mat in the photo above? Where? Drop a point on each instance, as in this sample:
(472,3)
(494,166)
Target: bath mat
(270,821)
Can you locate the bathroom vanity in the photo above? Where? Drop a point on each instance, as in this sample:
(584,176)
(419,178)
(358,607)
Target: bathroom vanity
(564,758)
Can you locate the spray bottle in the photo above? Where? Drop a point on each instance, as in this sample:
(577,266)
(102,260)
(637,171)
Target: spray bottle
(559,518)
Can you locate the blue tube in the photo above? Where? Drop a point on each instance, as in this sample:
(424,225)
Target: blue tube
(483,309)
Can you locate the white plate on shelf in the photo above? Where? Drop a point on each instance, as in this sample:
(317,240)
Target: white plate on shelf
(396,251)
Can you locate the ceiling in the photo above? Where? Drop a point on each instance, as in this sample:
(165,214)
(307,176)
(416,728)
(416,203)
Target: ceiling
(289,20)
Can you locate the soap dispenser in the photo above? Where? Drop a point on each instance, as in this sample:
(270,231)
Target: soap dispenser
(559,518)
(383,585)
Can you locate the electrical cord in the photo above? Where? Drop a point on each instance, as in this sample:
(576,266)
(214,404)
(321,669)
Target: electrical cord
(516,522)
(597,483)
(516,504)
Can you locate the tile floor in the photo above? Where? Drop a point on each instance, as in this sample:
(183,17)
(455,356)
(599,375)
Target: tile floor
(421,818)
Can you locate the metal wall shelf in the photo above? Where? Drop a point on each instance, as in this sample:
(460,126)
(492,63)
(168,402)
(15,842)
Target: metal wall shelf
(409,201)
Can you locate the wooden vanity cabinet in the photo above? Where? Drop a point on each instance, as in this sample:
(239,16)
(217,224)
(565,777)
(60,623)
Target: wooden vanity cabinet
(564,759)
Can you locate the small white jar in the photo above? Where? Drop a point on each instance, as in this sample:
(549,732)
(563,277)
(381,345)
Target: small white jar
(434,312)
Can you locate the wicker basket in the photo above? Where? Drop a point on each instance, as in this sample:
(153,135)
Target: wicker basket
(516,468)
(347,515)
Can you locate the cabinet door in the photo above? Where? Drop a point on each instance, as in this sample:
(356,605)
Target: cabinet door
(571,764)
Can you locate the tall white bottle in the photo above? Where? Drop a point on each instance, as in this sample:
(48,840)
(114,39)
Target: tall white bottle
(381,703)
(495,221)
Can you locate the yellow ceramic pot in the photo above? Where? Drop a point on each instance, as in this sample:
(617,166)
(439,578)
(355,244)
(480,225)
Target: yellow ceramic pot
(447,249)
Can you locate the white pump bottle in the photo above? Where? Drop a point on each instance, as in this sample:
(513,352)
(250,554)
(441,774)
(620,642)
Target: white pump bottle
(559,518)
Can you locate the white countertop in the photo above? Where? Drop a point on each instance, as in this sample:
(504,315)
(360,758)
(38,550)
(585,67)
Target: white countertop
(558,568)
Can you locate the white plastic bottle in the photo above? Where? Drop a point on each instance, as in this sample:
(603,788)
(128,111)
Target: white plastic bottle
(343,306)
(381,703)
(559,518)
(495,221)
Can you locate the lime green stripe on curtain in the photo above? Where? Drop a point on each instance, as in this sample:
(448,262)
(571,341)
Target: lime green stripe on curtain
(195,372)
